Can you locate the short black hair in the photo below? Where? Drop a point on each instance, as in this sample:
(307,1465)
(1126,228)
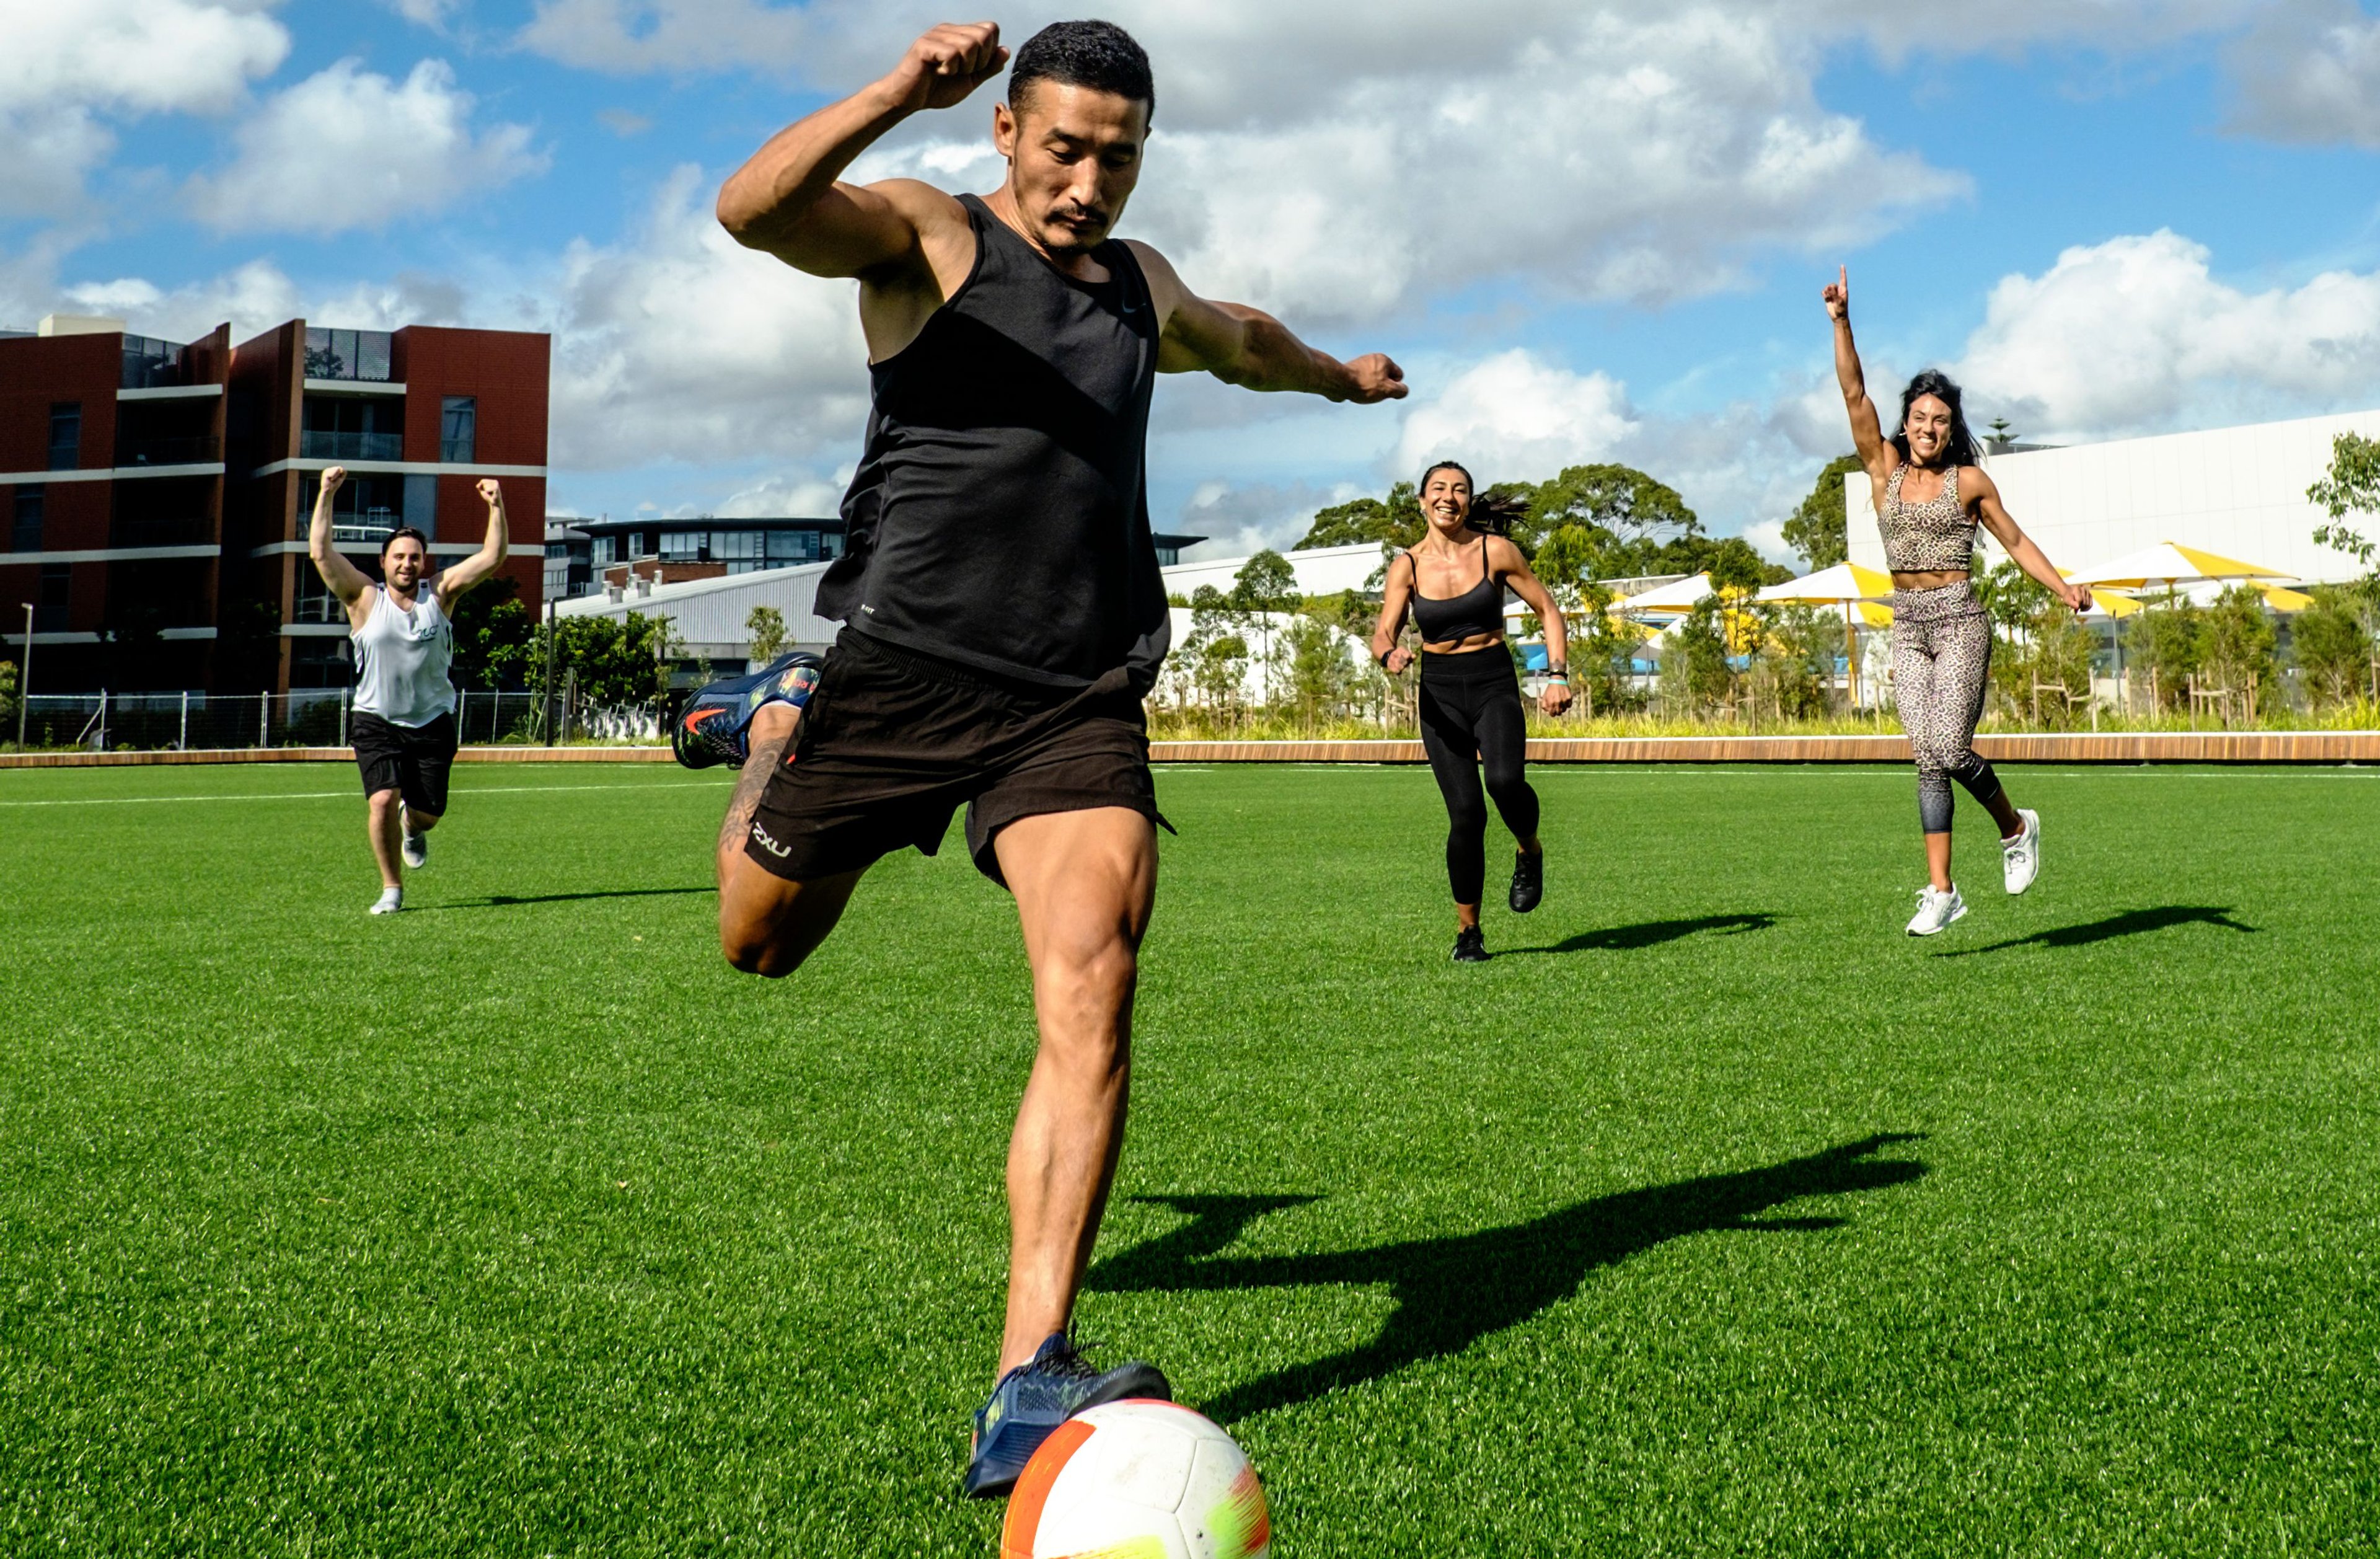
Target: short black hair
(1959,448)
(399,534)
(1096,55)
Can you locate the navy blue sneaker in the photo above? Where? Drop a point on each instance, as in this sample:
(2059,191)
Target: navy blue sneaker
(1035,1397)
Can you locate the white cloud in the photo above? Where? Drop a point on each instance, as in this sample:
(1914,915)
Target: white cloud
(346,149)
(2138,335)
(1516,413)
(431,14)
(628,36)
(69,67)
(684,345)
(2310,72)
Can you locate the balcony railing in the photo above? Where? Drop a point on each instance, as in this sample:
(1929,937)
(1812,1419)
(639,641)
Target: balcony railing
(362,355)
(190,449)
(313,444)
(349,527)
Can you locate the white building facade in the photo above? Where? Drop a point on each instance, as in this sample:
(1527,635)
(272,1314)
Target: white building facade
(2240,493)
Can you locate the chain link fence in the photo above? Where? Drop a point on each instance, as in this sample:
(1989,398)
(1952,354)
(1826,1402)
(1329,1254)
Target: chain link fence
(107,722)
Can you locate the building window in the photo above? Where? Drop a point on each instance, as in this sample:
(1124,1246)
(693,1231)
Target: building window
(362,355)
(602,547)
(315,602)
(351,428)
(459,430)
(365,508)
(736,546)
(682,546)
(25,534)
(50,612)
(317,661)
(66,435)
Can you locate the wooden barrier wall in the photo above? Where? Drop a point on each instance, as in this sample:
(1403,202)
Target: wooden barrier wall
(2163,746)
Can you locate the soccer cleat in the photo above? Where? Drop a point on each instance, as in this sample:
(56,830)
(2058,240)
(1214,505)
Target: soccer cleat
(1471,945)
(715,725)
(1935,910)
(1528,881)
(2021,856)
(1035,1397)
(390,901)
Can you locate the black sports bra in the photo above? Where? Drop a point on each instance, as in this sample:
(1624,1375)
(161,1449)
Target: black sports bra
(1477,612)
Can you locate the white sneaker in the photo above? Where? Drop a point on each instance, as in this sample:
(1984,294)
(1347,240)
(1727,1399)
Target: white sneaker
(416,847)
(2021,856)
(1935,910)
(390,901)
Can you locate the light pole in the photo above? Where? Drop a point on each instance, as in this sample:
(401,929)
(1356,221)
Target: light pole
(25,678)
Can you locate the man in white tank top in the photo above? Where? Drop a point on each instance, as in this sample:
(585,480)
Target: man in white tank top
(403,729)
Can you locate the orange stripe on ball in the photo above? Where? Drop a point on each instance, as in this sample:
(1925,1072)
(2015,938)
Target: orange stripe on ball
(1032,1489)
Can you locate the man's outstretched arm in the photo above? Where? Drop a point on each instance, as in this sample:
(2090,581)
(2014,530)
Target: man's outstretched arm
(1249,348)
(788,201)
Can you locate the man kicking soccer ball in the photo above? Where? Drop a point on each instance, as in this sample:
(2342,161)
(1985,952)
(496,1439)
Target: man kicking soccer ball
(403,729)
(1003,611)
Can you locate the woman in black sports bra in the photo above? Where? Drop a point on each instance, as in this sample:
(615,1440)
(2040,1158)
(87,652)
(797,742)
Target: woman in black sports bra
(1453,580)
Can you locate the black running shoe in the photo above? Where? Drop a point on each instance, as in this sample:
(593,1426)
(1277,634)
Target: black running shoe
(1471,945)
(1035,1397)
(1528,881)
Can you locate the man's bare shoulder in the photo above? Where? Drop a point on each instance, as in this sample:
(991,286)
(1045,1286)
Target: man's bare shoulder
(926,208)
(1164,282)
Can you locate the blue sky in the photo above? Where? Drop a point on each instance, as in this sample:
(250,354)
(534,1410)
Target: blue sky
(1590,232)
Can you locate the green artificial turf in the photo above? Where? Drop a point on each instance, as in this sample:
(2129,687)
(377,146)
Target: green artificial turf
(1714,1216)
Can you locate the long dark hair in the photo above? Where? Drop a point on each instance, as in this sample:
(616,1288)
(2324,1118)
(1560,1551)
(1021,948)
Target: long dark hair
(1961,449)
(1493,513)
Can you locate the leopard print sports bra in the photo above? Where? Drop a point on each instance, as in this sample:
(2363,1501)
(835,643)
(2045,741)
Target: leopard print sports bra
(1923,538)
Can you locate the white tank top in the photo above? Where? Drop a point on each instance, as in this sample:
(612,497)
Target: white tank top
(402,657)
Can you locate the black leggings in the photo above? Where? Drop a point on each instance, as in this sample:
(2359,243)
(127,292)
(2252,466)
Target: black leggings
(1471,714)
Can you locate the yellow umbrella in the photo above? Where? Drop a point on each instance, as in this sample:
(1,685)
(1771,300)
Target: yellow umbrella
(2282,600)
(2170,563)
(1852,586)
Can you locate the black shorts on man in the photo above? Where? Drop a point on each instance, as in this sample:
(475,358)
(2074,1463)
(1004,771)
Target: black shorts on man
(413,760)
(894,740)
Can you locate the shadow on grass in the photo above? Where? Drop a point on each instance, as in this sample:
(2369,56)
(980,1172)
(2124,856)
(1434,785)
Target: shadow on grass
(1650,934)
(1452,1290)
(2131,922)
(507,901)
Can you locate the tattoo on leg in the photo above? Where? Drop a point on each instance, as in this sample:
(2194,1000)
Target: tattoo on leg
(749,785)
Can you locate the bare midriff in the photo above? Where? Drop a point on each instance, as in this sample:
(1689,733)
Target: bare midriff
(1928,579)
(1464,646)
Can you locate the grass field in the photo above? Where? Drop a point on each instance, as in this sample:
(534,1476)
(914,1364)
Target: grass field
(1714,1215)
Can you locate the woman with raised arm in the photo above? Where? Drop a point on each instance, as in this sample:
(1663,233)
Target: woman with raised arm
(1453,580)
(1930,494)
(403,630)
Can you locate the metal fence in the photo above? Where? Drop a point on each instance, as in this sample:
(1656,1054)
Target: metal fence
(318,717)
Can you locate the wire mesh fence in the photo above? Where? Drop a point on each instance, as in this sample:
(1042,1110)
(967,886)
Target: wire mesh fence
(110,722)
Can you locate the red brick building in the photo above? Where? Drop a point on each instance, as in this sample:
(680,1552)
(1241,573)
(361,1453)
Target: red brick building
(154,497)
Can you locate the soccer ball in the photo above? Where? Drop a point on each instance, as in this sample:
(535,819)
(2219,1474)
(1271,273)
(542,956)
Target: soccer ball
(1137,1480)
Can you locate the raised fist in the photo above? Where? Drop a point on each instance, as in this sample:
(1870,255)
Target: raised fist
(1839,295)
(492,492)
(334,477)
(1377,378)
(947,63)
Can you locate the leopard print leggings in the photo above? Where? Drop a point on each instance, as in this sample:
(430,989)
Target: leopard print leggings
(1941,662)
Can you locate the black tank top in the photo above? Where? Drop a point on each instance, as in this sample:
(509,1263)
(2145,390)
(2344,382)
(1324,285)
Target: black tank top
(1476,611)
(999,513)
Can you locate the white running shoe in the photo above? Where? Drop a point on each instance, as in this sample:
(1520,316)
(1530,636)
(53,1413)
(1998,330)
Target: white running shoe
(1935,910)
(416,847)
(2021,856)
(390,901)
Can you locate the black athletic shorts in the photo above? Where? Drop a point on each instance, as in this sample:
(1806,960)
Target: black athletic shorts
(410,760)
(894,740)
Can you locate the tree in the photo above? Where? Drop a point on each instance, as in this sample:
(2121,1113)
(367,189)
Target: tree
(495,636)
(617,662)
(1322,675)
(767,627)
(1396,522)
(8,700)
(2331,647)
(2162,645)
(2236,642)
(1266,583)
(1566,561)
(1629,516)
(1816,530)
(2351,486)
